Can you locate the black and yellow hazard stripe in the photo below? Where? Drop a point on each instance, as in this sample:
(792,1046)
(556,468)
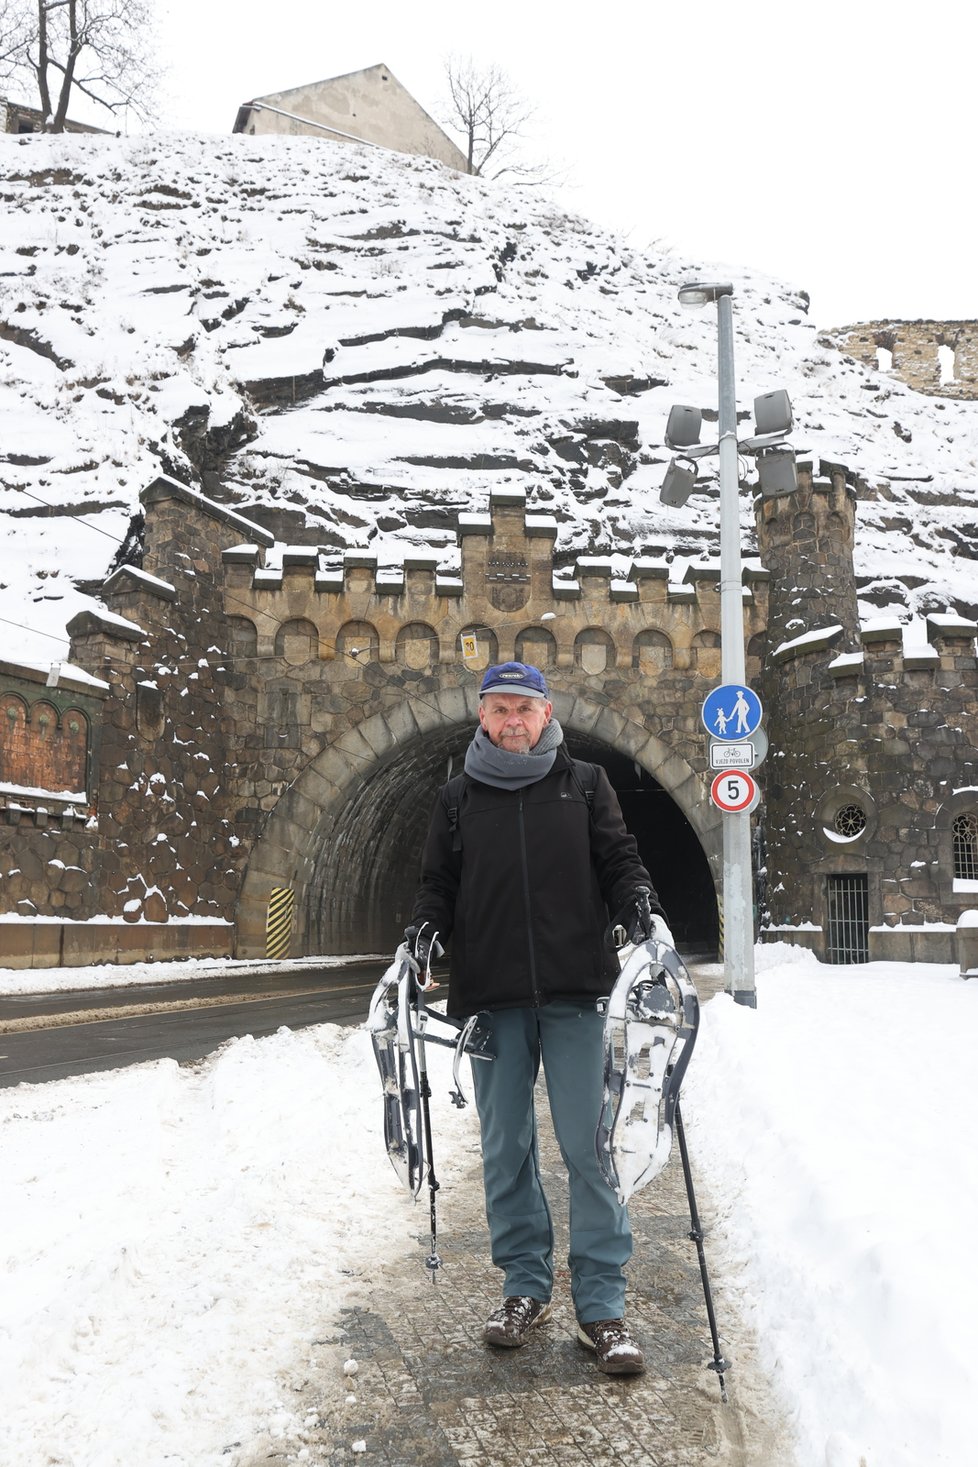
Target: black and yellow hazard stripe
(278,924)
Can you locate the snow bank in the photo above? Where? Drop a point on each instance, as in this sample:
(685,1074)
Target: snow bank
(175,1239)
(833,1125)
(20,981)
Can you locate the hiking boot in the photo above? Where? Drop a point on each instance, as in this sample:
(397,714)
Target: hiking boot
(510,1325)
(617,1352)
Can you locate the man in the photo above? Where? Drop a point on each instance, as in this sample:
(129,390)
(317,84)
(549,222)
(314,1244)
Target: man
(526,855)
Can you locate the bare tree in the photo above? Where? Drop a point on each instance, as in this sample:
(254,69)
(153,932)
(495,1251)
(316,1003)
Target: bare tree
(17,24)
(492,116)
(102,49)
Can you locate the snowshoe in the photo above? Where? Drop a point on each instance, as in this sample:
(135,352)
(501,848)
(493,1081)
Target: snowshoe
(398,1022)
(393,1039)
(650,1027)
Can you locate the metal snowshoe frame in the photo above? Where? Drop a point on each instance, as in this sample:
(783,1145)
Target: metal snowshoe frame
(651,1020)
(650,1023)
(401,1024)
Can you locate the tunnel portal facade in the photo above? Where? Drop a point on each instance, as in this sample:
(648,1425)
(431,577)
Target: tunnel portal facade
(274,728)
(260,730)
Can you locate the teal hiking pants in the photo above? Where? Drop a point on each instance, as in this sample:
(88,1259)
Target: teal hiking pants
(568,1039)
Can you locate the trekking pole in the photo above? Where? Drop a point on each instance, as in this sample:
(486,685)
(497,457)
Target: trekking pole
(432,1263)
(696,1234)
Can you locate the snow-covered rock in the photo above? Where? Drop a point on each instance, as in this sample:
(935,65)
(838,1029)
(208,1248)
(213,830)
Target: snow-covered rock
(374,342)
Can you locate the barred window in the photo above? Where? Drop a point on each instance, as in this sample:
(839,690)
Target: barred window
(848,912)
(965,847)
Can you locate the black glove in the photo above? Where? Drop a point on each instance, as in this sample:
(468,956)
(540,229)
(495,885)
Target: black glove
(422,944)
(638,924)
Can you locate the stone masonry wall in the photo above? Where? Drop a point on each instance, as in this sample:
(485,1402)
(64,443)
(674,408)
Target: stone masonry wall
(227,676)
(257,699)
(49,741)
(326,650)
(170,850)
(856,722)
(916,348)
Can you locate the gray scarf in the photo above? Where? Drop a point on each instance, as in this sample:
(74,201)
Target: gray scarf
(506,771)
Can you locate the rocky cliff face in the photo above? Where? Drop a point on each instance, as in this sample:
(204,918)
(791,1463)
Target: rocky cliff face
(370,344)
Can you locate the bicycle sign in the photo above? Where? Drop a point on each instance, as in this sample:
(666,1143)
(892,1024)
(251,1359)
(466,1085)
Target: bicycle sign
(731,712)
(735,792)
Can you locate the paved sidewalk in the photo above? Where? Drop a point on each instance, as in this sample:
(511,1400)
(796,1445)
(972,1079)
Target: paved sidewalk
(429,1393)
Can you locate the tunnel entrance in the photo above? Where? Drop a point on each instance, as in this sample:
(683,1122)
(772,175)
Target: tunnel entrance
(367,868)
(667,844)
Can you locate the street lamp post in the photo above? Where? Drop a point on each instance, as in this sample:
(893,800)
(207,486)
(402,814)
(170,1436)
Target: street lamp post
(738,894)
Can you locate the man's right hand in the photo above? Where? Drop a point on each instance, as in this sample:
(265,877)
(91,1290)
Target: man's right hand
(423,945)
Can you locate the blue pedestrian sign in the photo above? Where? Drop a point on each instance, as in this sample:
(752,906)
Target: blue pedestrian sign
(731,712)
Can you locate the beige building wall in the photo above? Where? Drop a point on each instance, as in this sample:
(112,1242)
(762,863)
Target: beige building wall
(370,106)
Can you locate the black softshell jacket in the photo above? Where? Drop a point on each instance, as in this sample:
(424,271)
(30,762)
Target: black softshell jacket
(526,900)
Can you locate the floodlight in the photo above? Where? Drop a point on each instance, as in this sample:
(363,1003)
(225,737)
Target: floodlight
(777,473)
(678,483)
(701,292)
(683,427)
(772,412)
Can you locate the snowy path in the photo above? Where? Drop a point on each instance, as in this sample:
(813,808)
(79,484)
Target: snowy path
(428,1392)
(192,1252)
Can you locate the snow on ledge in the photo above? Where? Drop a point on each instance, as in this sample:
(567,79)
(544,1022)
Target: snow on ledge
(35,792)
(135,573)
(15,917)
(122,623)
(811,641)
(915,927)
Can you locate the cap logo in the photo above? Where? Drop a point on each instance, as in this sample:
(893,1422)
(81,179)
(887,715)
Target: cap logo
(523,676)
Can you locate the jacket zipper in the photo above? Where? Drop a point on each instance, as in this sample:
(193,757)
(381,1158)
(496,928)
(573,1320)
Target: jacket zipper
(529,909)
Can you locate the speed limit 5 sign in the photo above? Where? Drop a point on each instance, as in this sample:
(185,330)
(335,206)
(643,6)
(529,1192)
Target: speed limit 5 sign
(735,792)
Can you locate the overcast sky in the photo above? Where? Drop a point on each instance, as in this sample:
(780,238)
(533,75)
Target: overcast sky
(825,144)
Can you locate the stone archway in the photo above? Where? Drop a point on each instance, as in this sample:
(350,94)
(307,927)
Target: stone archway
(346,837)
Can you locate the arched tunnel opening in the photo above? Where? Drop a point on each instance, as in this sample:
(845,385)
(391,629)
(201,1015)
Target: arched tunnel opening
(367,870)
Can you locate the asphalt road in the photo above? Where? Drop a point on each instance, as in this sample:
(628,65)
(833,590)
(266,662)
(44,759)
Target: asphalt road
(49,1036)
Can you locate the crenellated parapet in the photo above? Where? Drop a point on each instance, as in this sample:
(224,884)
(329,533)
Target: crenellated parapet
(944,660)
(291,602)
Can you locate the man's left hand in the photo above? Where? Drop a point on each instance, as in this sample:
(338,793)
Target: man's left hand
(639,925)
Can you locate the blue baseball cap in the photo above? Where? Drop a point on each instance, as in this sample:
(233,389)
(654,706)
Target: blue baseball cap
(514,677)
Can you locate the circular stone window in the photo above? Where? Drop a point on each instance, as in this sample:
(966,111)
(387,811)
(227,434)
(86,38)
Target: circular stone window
(849,821)
(845,815)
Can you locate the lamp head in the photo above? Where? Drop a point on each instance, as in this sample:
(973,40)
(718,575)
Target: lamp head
(700,292)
